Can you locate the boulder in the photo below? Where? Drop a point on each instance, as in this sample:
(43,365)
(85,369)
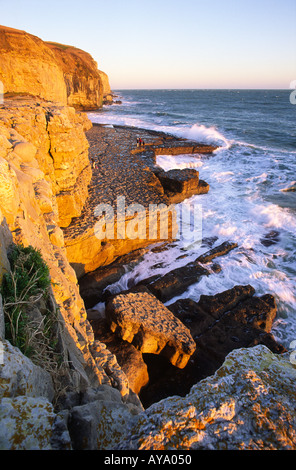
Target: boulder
(19,376)
(100,424)
(142,320)
(29,423)
(181,184)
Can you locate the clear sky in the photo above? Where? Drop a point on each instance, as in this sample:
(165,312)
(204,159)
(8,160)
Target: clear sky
(171,43)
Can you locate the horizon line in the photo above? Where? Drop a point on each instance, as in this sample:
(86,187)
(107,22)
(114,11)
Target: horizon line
(205,88)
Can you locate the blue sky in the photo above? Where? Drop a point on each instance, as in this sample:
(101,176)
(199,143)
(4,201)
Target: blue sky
(171,43)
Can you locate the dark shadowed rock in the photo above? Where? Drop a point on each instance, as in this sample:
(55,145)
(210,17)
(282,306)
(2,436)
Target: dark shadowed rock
(93,285)
(175,282)
(181,184)
(220,323)
(219,250)
(271,238)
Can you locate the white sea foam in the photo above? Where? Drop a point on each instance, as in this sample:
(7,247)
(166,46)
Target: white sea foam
(197,132)
(170,162)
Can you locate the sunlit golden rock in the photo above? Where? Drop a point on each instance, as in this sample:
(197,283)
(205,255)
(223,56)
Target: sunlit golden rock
(52,71)
(142,320)
(248,404)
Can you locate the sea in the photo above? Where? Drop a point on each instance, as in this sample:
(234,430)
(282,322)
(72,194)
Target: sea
(252,178)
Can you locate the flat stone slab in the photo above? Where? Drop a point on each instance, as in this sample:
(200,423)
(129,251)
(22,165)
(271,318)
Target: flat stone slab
(142,320)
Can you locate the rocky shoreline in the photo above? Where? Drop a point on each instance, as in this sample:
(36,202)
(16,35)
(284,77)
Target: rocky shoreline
(140,372)
(102,400)
(131,321)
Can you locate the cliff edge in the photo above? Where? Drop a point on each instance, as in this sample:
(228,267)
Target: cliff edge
(51,71)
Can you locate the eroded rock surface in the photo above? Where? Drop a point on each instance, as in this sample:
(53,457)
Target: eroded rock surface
(144,321)
(229,320)
(128,357)
(52,71)
(248,404)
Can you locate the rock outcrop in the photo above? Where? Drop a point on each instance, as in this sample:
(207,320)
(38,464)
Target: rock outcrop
(179,185)
(175,282)
(142,320)
(248,404)
(232,319)
(52,71)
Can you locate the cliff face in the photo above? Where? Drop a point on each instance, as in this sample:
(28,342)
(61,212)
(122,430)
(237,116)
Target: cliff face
(53,135)
(86,85)
(45,180)
(44,171)
(51,71)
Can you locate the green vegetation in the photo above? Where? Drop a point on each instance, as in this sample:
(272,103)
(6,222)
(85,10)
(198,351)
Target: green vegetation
(25,293)
(56,44)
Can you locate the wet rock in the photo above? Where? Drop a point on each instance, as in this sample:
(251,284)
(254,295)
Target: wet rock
(271,238)
(220,323)
(142,320)
(181,184)
(178,280)
(19,376)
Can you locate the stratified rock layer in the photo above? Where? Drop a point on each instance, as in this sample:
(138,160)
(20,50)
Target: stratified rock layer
(47,143)
(51,71)
(44,169)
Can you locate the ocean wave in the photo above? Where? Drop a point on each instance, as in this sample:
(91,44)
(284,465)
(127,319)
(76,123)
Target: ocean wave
(172,162)
(203,134)
(197,132)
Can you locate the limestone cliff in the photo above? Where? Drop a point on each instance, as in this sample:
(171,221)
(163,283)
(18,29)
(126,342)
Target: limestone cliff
(43,168)
(45,180)
(51,71)
(44,172)
(87,87)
